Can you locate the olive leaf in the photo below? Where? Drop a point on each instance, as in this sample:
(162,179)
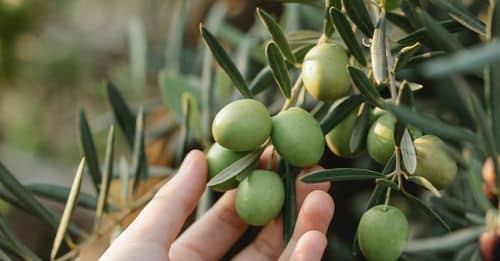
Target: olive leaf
(175,37)
(340,174)
(409,9)
(492,77)
(68,210)
(461,15)
(441,38)
(279,69)
(475,182)
(138,154)
(123,115)
(466,253)
(338,111)
(124,180)
(236,168)
(445,243)
(208,93)
(427,210)
(463,61)
(138,51)
(431,125)
(425,57)
(408,152)
(356,10)
(421,33)
(60,194)
(405,97)
(225,62)
(327,25)
(107,174)
(364,85)
(404,56)
(378,51)
(400,21)
(344,29)
(277,35)
(360,129)
(14,245)
(423,182)
(290,204)
(89,151)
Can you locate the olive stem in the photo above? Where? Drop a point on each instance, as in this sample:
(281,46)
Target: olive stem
(295,92)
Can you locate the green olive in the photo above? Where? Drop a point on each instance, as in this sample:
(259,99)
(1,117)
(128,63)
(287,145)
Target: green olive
(433,162)
(338,138)
(297,137)
(218,158)
(380,141)
(260,197)
(382,233)
(324,72)
(242,125)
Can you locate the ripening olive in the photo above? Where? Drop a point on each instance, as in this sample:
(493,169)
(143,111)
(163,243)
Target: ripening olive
(218,158)
(242,125)
(433,162)
(297,137)
(260,197)
(324,72)
(339,138)
(380,141)
(382,233)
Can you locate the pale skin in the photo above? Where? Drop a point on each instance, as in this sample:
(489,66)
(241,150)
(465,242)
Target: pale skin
(154,234)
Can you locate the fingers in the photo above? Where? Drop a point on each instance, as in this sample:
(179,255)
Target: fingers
(269,243)
(162,218)
(211,236)
(315,214)
(310,247)
(266,157)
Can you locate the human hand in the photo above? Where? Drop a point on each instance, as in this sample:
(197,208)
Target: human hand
(152,235)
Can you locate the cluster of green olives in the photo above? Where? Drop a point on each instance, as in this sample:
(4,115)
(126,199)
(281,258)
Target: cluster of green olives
(245,125)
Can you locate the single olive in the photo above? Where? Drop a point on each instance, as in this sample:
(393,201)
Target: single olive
(260,197)
(218,158)
(324,72)
(339,138)
(380,141)
(382,233)
(433,162)
(297,137)
(242,125)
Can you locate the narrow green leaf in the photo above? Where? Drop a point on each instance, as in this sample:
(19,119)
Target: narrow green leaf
(68,210)
(327,25)
(236,168)
(89,150)
(184,136)
(359,132)
(137,52)
(341,174)
(409,9)
(378,50)
(107,174)
(445,243)
(463,61)
(279,69)
(423,182)
(138,152)
(461,15)
(356,10)
(208,93)
(475,181)
(60,194)
(290,205)
(440,38)
(277,35)
(7,246)
(408,152)
(404,56)
(172,86)
(225,62)
(344,28)
(338,111)
(124,180)
(123,115)
(364,85)
(175,36)
(405,97)
(466,253)
(431,125)
(400,21)
(20,249)
(26,198)
(426,209)
(492,77)
(421,33)
(385,183)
